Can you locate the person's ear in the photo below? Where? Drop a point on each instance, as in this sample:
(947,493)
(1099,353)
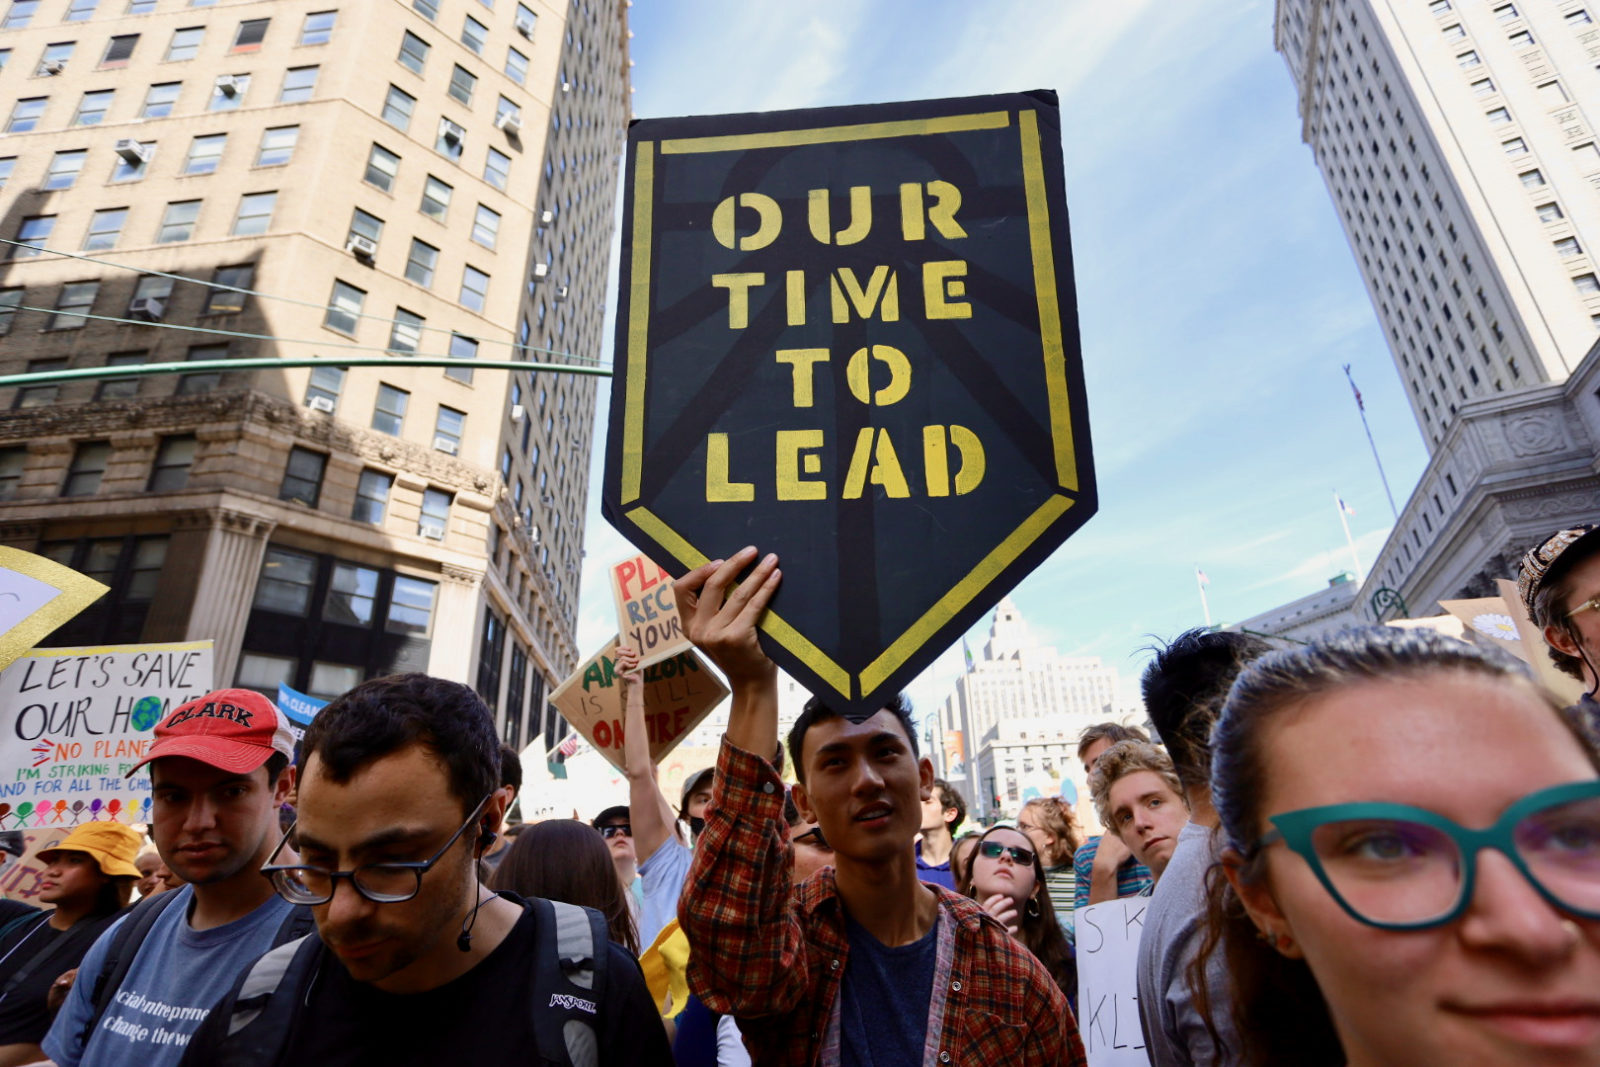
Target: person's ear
(1260,905)
(925,773)
(1560,638)
(283,790)
(802,803)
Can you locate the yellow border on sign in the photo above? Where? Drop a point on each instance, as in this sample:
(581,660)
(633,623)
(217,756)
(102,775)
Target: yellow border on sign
(1044,275)
(638,322)
(866,131)
(773,623)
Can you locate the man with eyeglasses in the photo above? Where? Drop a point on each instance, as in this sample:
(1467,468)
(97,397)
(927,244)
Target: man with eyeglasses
(219,768)
(413,961)
(1560,587)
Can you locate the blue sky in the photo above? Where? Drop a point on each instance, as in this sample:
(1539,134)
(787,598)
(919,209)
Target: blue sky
(1216,293)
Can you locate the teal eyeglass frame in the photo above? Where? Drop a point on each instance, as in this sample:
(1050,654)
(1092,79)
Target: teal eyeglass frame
(1295,830)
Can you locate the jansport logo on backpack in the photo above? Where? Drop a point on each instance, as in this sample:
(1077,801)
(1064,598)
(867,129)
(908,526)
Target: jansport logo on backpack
(562,1000)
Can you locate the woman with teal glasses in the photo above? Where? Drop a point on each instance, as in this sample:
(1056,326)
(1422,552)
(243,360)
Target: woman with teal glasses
(1412,861)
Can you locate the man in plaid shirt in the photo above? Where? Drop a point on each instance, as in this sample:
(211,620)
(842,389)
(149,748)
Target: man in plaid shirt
(862,963)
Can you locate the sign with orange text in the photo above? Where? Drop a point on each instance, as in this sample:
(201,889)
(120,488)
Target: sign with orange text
(849,336)
(678,693)
(647,613)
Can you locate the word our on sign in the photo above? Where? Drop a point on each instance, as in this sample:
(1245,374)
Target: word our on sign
(848,336)
(678,694)
(1108,983)
(74,721)
(647,611)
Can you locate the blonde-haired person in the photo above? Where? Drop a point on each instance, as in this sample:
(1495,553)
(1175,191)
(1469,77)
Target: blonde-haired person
(1051,825)
(1138,796)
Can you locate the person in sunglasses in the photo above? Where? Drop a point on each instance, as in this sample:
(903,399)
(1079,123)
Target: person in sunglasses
(1560,586)
(1413,856)
(412,960)
(863,962)
(617,832)
(1008,880)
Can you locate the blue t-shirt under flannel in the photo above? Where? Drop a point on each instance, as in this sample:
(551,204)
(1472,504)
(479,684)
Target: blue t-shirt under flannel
(883,999)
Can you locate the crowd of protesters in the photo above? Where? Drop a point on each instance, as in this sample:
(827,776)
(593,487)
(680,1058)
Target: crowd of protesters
(1378,849)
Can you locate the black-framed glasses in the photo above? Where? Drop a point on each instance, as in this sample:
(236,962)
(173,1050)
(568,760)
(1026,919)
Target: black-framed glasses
(993,850)
(814,838)
(614,829)
(381,883)
(1402,868)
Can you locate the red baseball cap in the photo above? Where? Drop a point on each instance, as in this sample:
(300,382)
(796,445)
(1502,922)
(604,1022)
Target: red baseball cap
(231,729)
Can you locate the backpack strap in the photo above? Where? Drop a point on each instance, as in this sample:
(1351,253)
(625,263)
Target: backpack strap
(569,982)
(295,926)
(264,979)
(120,955)
(71,944)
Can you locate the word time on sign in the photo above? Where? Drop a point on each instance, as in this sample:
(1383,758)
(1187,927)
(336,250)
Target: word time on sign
(848,336)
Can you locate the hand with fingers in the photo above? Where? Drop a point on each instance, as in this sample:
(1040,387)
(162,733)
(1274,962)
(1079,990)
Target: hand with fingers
(628,669)
(1002,907)
(720,618)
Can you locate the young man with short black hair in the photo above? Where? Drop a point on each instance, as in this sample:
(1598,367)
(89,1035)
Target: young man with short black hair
(219,768)
(863,962)
(942,814)
(399,793)
(510,786)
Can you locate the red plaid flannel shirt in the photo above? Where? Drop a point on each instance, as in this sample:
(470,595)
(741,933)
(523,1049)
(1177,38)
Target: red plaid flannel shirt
(774,956)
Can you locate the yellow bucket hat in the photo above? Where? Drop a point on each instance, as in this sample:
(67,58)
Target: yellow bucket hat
(112,844)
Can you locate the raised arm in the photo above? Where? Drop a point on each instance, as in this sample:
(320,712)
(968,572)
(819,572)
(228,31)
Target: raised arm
(720,619)
(649,812)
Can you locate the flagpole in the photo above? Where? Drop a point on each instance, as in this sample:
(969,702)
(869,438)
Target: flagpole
(1362,407)
(1199,581)
(1344,520)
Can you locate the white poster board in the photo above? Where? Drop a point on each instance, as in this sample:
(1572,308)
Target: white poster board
(1108,985)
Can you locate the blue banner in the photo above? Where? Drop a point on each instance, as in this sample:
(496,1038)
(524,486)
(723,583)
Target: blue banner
(299,708)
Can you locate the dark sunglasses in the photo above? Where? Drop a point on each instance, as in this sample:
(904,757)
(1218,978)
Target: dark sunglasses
(814,838)
(611,830)
(994,850)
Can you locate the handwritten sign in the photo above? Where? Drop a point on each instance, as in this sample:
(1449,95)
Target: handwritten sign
(647,612)
(678,693)
(36,596)
(73,721)
(1108,985)
(849,336)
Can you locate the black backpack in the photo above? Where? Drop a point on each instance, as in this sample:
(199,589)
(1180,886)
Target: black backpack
(124,948)
(569,983)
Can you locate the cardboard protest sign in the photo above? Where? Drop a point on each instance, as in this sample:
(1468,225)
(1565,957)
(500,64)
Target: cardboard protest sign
(36,596)
(647,612)
(74,720)
(1108,984)
(678,694)
(849,336)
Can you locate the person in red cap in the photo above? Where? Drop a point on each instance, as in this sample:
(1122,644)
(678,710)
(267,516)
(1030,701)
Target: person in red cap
(219,768)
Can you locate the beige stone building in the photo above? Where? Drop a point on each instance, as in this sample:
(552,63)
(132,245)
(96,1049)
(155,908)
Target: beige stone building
(312,178)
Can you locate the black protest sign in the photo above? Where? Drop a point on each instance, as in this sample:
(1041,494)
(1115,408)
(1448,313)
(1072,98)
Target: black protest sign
(849,336)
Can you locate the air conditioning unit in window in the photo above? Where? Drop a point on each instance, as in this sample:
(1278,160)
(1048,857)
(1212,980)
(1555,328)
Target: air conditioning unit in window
(561,293)
(320,403)
(546,217)
(566,87)
(228,85)
(518,412)
(53,66)
(361,247)
(132,152)
(433,531)
(452,133)
(148,308)
(509,121)
(541,270)
(446,444)
(525,27)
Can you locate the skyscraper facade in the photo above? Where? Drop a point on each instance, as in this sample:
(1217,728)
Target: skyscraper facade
(193,181)
(1457,139)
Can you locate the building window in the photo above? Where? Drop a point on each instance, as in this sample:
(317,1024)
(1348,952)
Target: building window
(150,287)
(159,101)
(9,300)
(421,262)
(255,214)
(174,457)
(435,199)
(185,44)
(389,413)
(93,107)
(1587,284)
(497,169)
(486,226)
(1522,39)
(461,348)
(39,396)
(448,426)
(1506,13)
(462,83)
(382,168)
(202,381)
(352,595)
(372,496)
(228,301)
(344,308)
(516,66)
(1587,155)
(429,9)
(503,109)
(12,460)
(64,168)
(130,567)
(249,35)
(302,478)
(366,225)
(450,140)
(1532,179)
(277,146)
(405,336)
(75,302)
(526,20)
(1579,17)
(324,385)
(25,114)
(1483,87)
(1499,116)
(120,388)
(105,226)
(474,34)
(397,108)
(1567,248)
(7,165)
(490,651)
(435,514)
(33,233)
(474,288)
(227,92)
(411,602)
(1551,94)
(205,153)
(413,52)
(317,28)
(1515,147)
(89,461)
(19,14)
(286,580)
(1455,32)
(298,85)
